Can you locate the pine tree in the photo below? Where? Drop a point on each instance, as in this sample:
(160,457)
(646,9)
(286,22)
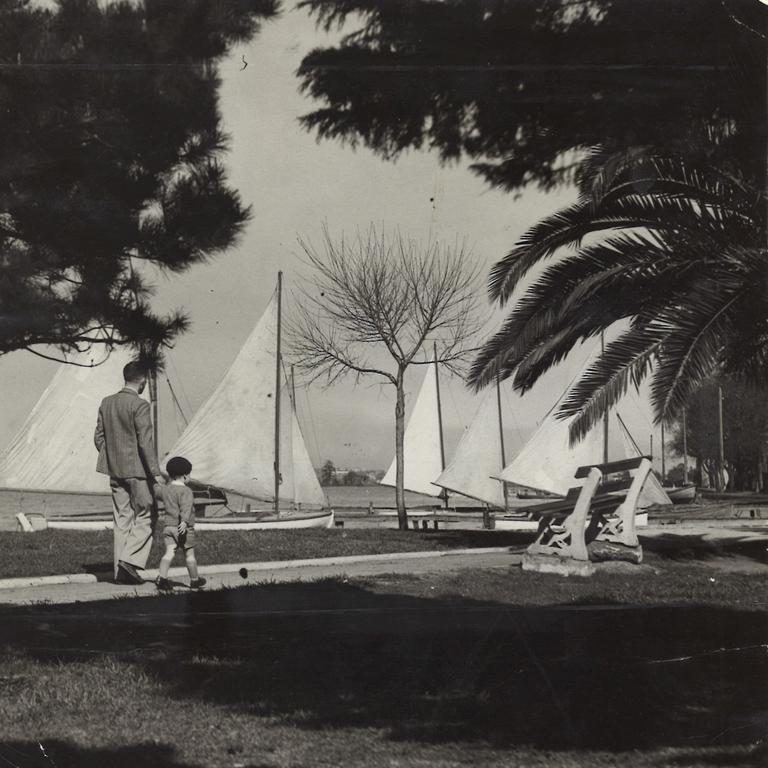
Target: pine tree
(111,156)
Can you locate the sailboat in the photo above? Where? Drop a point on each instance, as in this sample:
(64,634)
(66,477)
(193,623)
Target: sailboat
(244,440)
(479,455)
(53,450)
(423,451)
(686,492)
(548,461)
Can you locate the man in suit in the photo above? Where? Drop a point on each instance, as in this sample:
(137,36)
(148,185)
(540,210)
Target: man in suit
(127,454)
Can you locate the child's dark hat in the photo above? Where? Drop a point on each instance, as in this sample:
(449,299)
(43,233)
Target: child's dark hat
(178,466)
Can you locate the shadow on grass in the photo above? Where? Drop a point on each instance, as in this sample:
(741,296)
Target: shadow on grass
(30,754)
(695,547)
(328,654)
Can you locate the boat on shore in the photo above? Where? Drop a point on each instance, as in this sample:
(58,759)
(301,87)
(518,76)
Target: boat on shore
(681,494)
(245,441)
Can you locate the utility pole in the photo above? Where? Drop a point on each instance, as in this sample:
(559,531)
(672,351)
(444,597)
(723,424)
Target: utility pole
(153,400)
(720,442)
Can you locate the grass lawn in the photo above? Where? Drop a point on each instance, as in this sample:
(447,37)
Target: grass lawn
(664,665)
(53,552)
(338,673)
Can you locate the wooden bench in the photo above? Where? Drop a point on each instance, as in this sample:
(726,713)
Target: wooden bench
(597,511)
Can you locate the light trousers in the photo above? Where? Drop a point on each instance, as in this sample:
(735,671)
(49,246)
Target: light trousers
(132,509)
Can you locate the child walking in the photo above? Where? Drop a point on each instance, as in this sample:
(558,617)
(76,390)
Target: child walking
(179,523)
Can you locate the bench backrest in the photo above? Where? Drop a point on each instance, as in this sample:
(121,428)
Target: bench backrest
(623,465)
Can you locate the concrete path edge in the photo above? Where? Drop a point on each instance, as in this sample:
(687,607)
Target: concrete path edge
(151,573)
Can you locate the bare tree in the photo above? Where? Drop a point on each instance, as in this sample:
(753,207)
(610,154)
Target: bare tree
(376,305)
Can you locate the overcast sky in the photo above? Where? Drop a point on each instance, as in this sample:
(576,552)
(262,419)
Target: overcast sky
(296,185)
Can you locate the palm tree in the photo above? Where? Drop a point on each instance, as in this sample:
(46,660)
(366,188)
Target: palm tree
(675,248)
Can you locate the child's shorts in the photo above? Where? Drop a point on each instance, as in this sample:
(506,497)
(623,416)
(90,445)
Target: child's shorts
(183,541)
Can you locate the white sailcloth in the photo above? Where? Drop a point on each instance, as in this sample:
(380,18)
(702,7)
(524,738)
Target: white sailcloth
(421,442)
(230,440)
(54,451)
(478,457)
(652,492)
(306,488)
(547,462)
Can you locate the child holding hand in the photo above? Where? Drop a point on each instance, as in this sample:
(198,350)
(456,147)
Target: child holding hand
(179,522)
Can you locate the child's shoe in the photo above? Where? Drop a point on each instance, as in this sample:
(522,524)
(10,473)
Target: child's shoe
(197,583)
(163,585)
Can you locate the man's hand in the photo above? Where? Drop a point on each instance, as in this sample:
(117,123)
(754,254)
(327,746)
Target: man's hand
(182,527)
(159,480)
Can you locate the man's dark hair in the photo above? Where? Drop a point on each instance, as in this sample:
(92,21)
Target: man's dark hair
(134,371)
(177,467)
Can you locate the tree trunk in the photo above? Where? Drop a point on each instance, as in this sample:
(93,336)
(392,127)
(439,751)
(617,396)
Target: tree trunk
(402,515)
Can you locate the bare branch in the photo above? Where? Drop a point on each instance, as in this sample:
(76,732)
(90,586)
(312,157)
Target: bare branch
(382,291)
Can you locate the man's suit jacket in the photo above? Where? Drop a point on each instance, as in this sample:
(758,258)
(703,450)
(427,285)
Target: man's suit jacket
(123,437)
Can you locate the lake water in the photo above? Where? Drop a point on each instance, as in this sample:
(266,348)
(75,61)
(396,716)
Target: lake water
(340,497)
(380,495)
(383,497)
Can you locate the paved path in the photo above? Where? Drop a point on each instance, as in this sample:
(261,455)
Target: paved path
(311,570)
(73,593)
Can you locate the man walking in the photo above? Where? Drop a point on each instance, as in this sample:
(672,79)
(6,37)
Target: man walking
(127,454)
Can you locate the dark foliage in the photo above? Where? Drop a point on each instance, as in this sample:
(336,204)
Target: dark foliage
(111,152)
(520,86)
(676,251)
(745,432)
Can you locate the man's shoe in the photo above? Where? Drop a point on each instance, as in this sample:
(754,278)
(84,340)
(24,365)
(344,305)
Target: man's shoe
(197,583)
(163,585)
(128,574)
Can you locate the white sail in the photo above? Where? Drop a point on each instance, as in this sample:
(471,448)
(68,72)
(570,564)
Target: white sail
(298,480)
(306,488)
(547,462)
(652,492)
(421,442)
(54,451)
(230,440)
(478,457)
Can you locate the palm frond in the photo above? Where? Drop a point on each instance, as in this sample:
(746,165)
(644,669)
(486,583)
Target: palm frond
(625,361)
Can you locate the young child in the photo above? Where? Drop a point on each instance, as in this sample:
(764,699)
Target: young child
(179,523)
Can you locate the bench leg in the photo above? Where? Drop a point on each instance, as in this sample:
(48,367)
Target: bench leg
(567,539)
(619,528)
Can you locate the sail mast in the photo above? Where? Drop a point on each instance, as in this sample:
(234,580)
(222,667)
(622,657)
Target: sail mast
(501,442)
(685,451)
(444,493)
(153,400)
(277,396)
(663,463)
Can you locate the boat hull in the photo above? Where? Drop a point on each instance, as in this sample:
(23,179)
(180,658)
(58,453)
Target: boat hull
(514,524)
(683,495)
(293,522)
(511,523)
